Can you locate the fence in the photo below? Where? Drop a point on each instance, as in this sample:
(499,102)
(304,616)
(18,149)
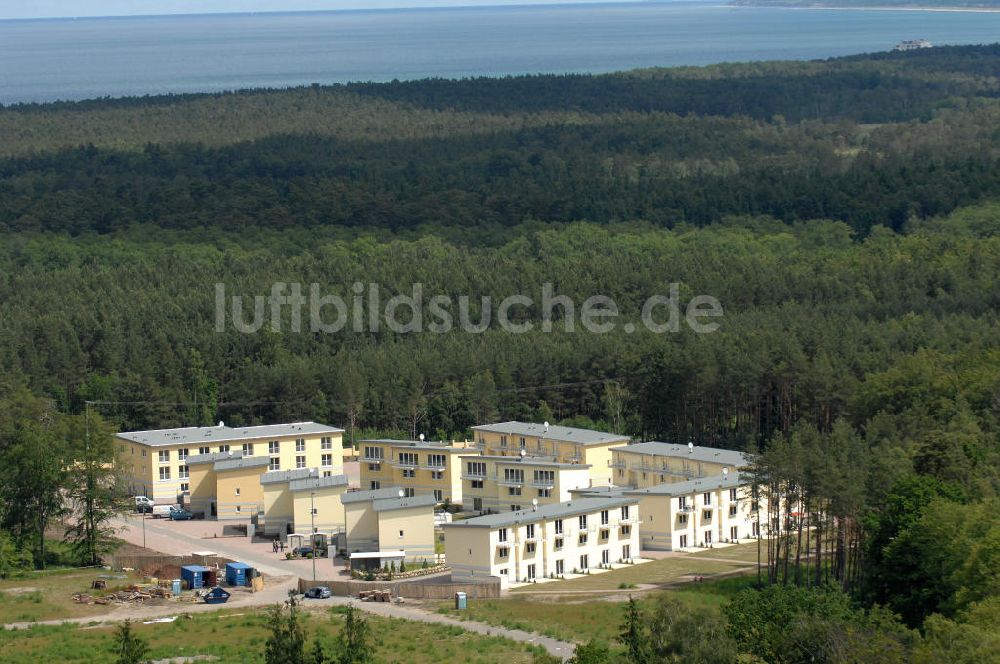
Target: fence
(410,590)
(141,562)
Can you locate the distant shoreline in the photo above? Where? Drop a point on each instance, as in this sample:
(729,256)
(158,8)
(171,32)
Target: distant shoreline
(898,8)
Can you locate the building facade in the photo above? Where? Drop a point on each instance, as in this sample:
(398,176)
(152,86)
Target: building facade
(382,520)
(279,503)
(317,505)
(649,464)
(156,462)
(545,542)
(564,444)
(510,483)
(417,466)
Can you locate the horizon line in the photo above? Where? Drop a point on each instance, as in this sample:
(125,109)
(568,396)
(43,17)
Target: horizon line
(345,10)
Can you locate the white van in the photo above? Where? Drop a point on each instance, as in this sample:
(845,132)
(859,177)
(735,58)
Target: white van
(143,504)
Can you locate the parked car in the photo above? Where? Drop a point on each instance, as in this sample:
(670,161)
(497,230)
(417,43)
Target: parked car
(318,592)
(180,514)
(163,511)
(143,504)
(303,551)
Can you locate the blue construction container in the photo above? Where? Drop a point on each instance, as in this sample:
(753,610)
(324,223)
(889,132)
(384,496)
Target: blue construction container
(195,575)
(238,574)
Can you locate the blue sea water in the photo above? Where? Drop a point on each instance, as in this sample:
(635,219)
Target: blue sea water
(45,60)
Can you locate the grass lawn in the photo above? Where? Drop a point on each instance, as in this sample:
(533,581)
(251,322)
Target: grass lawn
(582,617)
(667,570)
(235,638)
(48,595)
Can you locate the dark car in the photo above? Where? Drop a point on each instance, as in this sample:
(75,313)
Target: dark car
(308,552)
(177,514)
(318,592)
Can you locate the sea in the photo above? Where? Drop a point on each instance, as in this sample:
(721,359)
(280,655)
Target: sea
(75,59)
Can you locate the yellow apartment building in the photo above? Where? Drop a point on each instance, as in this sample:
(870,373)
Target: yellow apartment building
(564,444)
(416,466)
(545,542)
(226,485)
(316,504)
(279,504)
(649,464)
(382,520)
(156,465)
(509,483)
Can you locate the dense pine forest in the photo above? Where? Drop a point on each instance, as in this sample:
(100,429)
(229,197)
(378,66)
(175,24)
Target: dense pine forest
(846,214)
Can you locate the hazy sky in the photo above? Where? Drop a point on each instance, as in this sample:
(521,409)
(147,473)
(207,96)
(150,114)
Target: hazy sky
(59,8)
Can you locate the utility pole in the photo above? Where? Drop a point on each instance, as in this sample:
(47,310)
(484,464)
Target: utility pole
(312,522)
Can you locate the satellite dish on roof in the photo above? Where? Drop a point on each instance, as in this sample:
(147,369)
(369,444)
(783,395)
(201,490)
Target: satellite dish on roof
(421,437)
(523,453)
(221,423)
(401,493)
(546,426)
(534,501)
(690,447)
(725,472)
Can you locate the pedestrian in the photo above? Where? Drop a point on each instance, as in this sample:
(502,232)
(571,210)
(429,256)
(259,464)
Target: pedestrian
(274,546)
(282,545)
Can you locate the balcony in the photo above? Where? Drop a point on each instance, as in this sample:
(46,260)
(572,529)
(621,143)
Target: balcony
(544,484)
(433,466)
(650,467)
(510,481)
(686,509)
(616,464)
(628,521)
(406,465)
(368,459)
(474,476)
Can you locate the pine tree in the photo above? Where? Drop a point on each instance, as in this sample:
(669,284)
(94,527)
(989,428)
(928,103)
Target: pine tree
(130,648)
(631,634)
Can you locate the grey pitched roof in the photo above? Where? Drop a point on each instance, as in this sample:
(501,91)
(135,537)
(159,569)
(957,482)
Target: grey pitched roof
(547,461)
(376,494)
(554,432)
(700,485)
(432,445)
(276,476)
(397,503)
(545,512)
(222,433)
(313,483)
(696,453)
(599,491)
(238,463)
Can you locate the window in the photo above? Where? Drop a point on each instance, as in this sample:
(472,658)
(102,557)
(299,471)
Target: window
(682,543)
(477,504)
(477,484)
(604,534)
(754,529)
(164,456)
(437,474)
(503,572)
(223,448)
(374,467)
(682,519)
(327,473)
(584,562)
(183,472)
(682,503)
(436,460)
(300,445)
(503,552)
(438,495)
(529,531)
(545,493)
(706,515)
(237,491)
(185,487)
(247,449)
(407,459)
(182,454)
(583,539)
(409,472)
(604,517)
(143,452)
(706,499)
(374,453)
(513,491)
(559,567)
(204,450)
(559,527)
(627,552)
(557,543)
(374,485)
(708,537)
(300,461)
(583,522)
(326,443)
(400,534)
(274,447)
(274,464)
(521,442)
(165,473)
(531,572)
(514,507)
(529,548)
(476,468)
(409,492)
(734,533)
(732,510)
(732,495)
(626,531)
(605,557)
(503,441)
(326,460)
(239,508)
(625,512)
(513,475)
(502,535)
